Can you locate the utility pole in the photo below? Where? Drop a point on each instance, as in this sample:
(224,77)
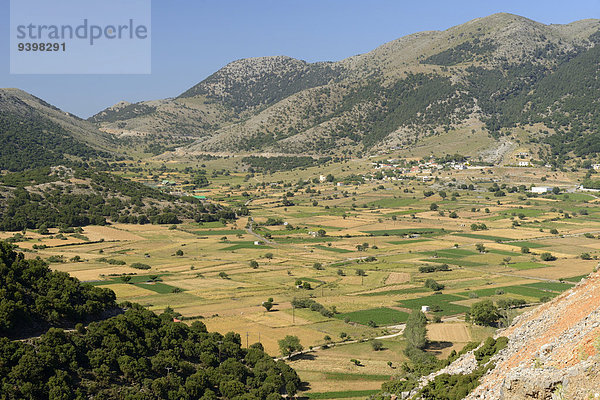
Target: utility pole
(293,314)
(247,340)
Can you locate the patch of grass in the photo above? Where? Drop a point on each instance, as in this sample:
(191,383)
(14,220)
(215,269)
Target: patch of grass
(531,245)
(503,252)
(408,241)
(342,376)
(527,265)
(300,240)
(443,301)
(224,232)
(553,286)
(339,395)
(522,290)
(245,245)
(450,253)
(158,287)
(528,292)
(461,263)
(528,212)
(333,249)
(483,237)
(392,203)
(575,279)
(134,279)
(402,232)
(381,316)
(311,280)
(397,292)
(407,212)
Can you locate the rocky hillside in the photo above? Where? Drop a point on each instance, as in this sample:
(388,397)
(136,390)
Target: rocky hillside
(553,351)
(489,75)
(19,104)
(34,133)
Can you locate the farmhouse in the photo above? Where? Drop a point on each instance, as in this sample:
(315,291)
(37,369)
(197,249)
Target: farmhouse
(524,164)
(540,189)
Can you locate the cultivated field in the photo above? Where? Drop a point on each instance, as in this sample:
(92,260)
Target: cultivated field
(371,242)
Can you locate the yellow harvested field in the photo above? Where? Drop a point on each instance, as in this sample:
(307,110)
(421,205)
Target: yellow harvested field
(268,335)
(126,291)
(397,277)
(85,273)
(275,319)
(108,233)
(449,331)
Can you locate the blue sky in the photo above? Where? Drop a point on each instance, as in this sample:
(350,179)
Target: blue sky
(193,38)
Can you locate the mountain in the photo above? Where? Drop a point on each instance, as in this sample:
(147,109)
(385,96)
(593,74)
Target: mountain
(237,90)
(33,130)
(488,76)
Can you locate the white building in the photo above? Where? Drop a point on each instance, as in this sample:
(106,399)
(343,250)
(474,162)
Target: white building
(596,166)
(425,309)
(322,178)
(524,164)
(541,189)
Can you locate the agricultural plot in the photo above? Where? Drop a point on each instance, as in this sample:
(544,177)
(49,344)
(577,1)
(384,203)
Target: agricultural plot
(445,303)
(367,262)
(380,316)
(526,265)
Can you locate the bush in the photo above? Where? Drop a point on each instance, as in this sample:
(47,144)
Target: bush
(547,257)
(376,345)
(433,285)
(140,266)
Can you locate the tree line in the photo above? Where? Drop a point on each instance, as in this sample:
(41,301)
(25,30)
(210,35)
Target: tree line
(136,355)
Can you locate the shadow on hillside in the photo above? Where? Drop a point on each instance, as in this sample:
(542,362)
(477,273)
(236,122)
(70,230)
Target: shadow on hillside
(437,347)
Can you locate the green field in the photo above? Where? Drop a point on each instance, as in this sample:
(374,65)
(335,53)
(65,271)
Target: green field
(157,287)
(403,232)
(381,316)
(340,395)
(526,265)
(333,249)
(398,292)
(443,301)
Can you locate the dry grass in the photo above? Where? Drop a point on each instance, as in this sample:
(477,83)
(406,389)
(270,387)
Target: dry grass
(449,331)
(397,277)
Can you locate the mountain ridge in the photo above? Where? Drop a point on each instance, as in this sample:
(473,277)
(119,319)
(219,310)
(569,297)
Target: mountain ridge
(487,75)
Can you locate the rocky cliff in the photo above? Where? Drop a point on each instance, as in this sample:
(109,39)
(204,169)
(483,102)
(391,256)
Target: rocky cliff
(553,351)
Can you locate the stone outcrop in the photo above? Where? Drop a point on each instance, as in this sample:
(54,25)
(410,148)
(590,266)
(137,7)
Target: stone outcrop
(552,353)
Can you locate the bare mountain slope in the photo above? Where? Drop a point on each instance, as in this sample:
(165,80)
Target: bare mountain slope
(489,70)
(553,351)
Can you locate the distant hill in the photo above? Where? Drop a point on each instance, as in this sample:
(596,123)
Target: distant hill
(35,134)
(489,75)
(62,197)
